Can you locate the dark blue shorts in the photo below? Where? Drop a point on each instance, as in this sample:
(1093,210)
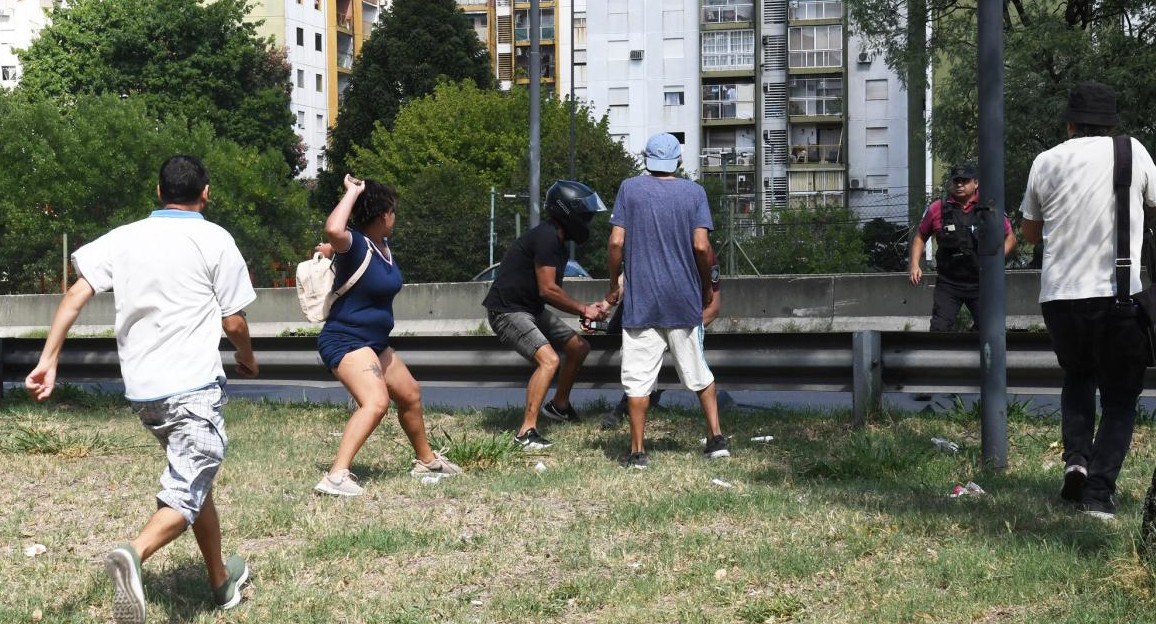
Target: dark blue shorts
(333,346)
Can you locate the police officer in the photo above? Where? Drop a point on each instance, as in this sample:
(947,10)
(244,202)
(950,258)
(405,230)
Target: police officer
(954,224)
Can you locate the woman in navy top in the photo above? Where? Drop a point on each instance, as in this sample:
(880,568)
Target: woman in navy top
(354,343)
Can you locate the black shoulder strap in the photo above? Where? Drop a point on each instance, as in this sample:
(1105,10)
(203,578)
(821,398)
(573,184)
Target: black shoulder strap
(1121,185)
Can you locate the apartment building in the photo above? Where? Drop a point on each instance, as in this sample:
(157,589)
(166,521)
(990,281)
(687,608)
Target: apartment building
(503,26)
(321,38)
(20,24)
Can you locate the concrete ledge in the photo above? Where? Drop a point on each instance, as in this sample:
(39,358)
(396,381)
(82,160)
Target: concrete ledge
(784,303)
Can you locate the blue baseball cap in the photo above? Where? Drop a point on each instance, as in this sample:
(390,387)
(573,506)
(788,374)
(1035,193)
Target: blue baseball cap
(662,153)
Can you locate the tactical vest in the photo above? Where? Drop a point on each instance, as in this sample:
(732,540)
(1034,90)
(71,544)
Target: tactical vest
(956,242)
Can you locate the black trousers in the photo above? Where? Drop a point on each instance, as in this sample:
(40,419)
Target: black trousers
(947,297)
(1098,350)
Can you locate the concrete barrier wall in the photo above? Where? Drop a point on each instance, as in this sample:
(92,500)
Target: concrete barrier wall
(880,301)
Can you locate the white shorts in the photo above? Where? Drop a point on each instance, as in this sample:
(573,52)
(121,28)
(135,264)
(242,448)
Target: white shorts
(642,351)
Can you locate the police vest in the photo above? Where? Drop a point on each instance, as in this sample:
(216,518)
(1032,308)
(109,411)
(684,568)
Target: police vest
(956,242)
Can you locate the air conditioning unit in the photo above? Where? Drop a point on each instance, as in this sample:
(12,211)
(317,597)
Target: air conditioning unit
(856,183)
(768,40)
(866,57)
(636,55)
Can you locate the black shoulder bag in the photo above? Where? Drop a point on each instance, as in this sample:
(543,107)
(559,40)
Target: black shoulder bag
(1142,305)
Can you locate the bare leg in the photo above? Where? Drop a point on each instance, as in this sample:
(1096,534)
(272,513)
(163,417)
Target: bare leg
(638,407)
(708,398)
(164,526)
(407,394)
(547,361)
(576,350)
(361,373)
(207,530)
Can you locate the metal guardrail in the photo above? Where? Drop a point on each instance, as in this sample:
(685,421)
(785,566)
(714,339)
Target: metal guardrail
(901,361)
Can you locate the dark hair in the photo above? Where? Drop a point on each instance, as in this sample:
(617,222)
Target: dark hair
(182,180)
(1090,130)
(376,200)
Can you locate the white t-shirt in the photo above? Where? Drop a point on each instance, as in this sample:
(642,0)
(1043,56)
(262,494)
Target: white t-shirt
(1070,190)
(173,276)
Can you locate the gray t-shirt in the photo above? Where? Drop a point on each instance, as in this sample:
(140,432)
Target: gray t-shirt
(660,216)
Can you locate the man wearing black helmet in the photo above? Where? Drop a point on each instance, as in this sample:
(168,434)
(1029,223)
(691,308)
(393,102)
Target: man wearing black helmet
(529,277)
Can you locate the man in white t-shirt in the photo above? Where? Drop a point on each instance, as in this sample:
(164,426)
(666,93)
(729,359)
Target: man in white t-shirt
(177,281)
(1070,206)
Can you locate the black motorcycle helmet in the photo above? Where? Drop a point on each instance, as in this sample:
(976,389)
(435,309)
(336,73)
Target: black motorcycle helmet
(572,205)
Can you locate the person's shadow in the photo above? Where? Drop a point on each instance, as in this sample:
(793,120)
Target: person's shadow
(181,589)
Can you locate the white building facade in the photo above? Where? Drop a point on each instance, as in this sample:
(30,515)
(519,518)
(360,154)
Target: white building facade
(20,23)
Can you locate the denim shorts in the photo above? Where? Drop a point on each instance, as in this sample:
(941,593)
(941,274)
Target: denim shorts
(191,429)
(527,333)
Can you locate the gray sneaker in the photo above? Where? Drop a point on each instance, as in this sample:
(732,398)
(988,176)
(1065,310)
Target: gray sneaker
(340,483)
(128,601)
(439,467)
(228,595)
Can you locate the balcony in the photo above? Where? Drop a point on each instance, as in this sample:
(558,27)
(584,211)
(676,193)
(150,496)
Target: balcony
(345,61)
(345,22)
(727,12)
(814,9)
(728,61)
(523,34)
(816,154)
(738,158)
(815,106)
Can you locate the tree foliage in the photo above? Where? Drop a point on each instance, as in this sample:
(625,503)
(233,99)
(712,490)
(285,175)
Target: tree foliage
(820,239)
(412,46)
(1048,48)
(92,166)
(181,58)
(479,139)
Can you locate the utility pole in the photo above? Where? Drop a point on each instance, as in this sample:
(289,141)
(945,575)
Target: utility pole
(992,314)
(916,108)
(535,110)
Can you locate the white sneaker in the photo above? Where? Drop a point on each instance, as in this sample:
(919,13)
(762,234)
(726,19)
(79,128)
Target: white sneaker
(340,483)
(439,467)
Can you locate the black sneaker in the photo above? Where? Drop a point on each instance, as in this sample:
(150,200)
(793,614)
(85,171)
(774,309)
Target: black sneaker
(1074,477)
(532,440)
(638,461)
(1103,509)
(716,447)
(553,412)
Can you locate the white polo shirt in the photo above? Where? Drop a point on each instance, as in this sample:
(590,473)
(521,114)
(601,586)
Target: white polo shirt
(173,277)
(1070,190)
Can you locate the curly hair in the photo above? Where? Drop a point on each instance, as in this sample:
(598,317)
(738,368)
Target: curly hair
(377,199)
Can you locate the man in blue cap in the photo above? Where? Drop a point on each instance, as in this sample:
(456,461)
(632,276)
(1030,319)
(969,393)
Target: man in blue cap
(660,229)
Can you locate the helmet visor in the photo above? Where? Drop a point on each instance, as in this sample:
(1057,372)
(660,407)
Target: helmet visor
(591,204)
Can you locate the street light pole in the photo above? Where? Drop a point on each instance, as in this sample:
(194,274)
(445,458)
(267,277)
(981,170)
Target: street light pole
(535,110)
(493,199)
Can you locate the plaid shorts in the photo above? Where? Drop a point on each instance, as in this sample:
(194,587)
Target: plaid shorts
(191,428)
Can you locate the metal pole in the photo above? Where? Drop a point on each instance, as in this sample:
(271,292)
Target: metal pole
(992,313)
(493,198)
(730,217)
(573,104)
(64,263)
(535,109)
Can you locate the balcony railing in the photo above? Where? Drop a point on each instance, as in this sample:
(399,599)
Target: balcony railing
(730,109)
(815,106)
(345,61)
(728,61)
(713,157)
(345,21)
(523,34)
(817,154)
(727,14)
(815,9)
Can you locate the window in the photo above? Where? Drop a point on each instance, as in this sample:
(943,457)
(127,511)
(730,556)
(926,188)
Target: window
(815,96)
(619,115)
(877,136)
(321,123)
(318,83)
(725,11)
(815,46)
(580,29)
(579,57)
(619,96)
(728,49)
(674,98)
(317,4)
(877,184)
(672,48)
(814,9)
(301,36)
(301,78)
(301,119)
(876,90)
(681,136)
(8,72)
(317,41)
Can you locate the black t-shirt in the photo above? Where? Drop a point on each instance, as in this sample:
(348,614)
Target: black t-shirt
(515,289)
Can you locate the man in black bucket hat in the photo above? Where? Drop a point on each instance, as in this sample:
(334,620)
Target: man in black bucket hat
(1070,204)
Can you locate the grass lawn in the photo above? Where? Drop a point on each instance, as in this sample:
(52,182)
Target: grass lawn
(819,525)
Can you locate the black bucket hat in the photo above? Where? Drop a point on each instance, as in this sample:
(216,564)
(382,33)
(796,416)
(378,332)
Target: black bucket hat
(1092,103)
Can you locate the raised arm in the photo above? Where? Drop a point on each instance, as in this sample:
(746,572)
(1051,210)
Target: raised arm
(335,231)
(42,379)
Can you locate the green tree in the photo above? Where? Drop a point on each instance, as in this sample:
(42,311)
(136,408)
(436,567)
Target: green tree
(182,58)
(820,239)
(412,46)
(482,136)
(93,166)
